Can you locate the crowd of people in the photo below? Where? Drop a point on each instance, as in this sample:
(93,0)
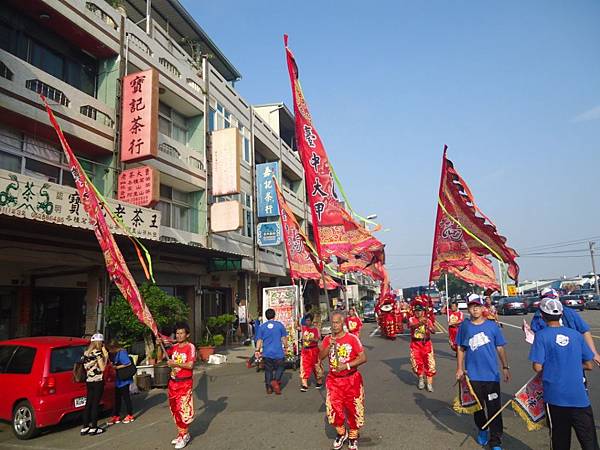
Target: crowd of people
(562,351)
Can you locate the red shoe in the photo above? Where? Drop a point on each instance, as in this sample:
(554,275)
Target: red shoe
(114,420)
(128,419)
(276,387)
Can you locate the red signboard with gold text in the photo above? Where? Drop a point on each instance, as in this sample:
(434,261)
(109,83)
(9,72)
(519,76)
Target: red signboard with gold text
(140,186)
(139,116)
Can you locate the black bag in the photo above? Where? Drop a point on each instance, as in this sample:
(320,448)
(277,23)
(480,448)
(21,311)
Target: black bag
(127,372)
(79,374)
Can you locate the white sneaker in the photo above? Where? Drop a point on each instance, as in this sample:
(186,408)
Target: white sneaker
(187,438)
(181,442)
(174,441)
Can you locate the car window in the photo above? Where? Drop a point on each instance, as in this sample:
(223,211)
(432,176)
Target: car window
(22,360)
(63,359)
(6,352)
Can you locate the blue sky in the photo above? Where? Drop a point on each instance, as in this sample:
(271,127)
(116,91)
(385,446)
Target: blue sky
(512,87)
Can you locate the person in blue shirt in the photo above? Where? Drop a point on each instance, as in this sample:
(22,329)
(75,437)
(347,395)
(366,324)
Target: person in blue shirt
(120,359)
(271,339)
(559,353)
(479,341)
(570,319)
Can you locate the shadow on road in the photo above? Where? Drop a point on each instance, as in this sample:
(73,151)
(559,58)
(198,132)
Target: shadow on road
(406,376)
(143,402)
(444,419)
(210,408)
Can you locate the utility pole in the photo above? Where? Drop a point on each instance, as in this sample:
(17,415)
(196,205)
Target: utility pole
(594,267)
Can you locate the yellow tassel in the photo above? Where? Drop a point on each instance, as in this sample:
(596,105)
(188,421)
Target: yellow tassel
(531,426)
(460,409)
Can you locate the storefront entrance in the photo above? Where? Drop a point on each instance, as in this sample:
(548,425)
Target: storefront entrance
(58,312)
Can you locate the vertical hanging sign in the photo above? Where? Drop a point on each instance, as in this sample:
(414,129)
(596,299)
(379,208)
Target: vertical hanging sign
(265,189)
(139,116)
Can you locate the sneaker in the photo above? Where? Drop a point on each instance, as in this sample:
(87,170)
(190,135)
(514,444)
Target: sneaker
(113,420)
(95,431)
(181,442)
(269,390)
(421,384)
(338,443)
(129,418)
(276,387)
(174,441)
(187,438)
(303,388)
(352,444)
(483,437)
(84,431)
(497,447)
(429,387)
(319,386)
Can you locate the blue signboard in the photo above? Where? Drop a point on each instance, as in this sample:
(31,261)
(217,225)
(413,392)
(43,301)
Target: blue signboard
(265,188)
(268,234)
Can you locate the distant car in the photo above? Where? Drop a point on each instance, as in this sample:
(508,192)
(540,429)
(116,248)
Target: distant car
(369,313)
(512,305)
(437,308)
(593,303)
(533,304)
(462,305)
(36,382)
(573,301)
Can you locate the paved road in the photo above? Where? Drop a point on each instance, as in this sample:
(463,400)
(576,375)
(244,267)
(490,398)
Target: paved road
(233,412)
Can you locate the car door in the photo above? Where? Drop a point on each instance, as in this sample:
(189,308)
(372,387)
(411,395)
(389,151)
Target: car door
(68,395)
(16,377)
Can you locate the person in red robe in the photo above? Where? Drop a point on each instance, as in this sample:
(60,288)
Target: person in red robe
(309,356)
(345,401)
(182,357)
(353,322)
(421,349)
(387,319)
(455,318)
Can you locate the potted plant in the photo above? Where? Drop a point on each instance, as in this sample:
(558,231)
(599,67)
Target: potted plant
(214,335)
(166,310)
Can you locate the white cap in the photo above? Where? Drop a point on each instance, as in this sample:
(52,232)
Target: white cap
(97,337)
(474,298)
(549,293)
(551,306)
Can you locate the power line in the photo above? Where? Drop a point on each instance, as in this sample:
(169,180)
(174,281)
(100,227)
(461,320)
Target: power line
(561,244)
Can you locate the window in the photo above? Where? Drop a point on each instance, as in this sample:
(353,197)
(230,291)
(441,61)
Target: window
(247,226)
(63,359)
(247,154)
(220,118)
(172,124)
(38,169)
(22,360)
(6,352)
(10,162)
(46,50)
(176,208)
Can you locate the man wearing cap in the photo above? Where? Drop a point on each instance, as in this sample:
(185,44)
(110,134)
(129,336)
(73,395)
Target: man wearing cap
(421,349)
(479,341)
(559,353)
(570,319)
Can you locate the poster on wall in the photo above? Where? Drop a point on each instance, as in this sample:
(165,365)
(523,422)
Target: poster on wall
(284,300)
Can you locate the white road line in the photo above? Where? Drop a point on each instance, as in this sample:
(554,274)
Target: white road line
(373,332)
(511,325)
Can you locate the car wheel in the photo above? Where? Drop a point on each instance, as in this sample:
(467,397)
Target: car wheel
(24,421)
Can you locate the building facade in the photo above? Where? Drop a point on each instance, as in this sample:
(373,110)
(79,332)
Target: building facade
(76,53)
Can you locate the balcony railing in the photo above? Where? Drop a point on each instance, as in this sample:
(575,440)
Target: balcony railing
(5,72)
(48,91)
(170,67)
(133,39)
(169,150)
(101,14)
(97,115)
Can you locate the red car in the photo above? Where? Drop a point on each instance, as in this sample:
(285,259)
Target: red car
(36,382)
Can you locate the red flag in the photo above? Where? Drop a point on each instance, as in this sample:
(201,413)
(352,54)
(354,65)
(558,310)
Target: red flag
(115,263)
(336,232)
(529,403)
(464,236)
(302,262)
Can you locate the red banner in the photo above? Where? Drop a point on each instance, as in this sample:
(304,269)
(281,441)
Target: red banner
(115,263)
(336,232)
(303,264)
(464,236)
(529,403)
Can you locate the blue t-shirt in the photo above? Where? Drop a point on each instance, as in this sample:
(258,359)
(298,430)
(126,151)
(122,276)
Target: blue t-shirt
(561,350)
(480,342)
(271,333)
(121,359)
(570,319)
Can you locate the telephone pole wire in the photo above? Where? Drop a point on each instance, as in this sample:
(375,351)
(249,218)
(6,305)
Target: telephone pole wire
(594,267)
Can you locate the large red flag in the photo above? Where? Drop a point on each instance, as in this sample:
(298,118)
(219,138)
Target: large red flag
(115,263)
(464,237)
(302,262)
(336,232)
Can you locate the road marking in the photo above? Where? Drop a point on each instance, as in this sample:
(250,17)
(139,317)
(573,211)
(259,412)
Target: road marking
(440,327)
(373,332)
(511,325)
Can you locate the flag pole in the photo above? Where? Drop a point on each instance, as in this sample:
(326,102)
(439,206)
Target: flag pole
(437,216)
(507,403)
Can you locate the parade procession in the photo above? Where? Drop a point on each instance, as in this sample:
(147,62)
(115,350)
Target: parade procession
(184,266)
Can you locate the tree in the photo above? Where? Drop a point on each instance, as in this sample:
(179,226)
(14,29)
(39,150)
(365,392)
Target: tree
(456,286)
(166,310)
